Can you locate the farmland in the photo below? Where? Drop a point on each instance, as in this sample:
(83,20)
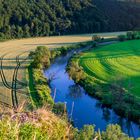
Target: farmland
(118,62)
(14,61)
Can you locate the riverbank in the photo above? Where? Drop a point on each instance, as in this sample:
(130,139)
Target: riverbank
(110,95)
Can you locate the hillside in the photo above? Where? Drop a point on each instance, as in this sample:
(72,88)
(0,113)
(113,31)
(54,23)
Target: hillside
(29,18)
(120,15)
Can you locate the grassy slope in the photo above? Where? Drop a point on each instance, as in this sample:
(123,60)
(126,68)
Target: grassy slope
(116,61)
(31,86)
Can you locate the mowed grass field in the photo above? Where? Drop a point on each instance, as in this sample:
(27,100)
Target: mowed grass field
(115,62)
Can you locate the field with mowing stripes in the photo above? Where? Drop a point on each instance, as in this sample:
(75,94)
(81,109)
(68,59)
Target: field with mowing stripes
(110,63)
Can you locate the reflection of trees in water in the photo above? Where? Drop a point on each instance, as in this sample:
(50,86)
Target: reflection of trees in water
(106,114)
(106,111)
(62,59)
(75,91)
(129,127)
(126,125)
(98,104)
(51,76)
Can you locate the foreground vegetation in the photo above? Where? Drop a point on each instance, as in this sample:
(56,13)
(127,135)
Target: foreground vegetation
(111,73)
(42,124)
(45,17)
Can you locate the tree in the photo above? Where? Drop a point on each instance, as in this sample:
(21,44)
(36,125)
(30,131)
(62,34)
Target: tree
(87,133)
(26,31)
(114,132)
(96,38)
(41,57)
(75,71)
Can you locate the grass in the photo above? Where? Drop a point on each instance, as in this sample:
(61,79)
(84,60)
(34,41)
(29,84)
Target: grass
(38,88)
(32,89)
(108,64)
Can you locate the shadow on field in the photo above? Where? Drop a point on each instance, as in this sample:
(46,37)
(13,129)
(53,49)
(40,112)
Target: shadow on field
(1,83)
(12,67)
(6,59)
(55,44)
(113,55)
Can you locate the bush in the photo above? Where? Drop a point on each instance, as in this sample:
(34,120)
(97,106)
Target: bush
(131,35)
(41,57)
(63,50)
(114,132)
(59,108)
(96,38)
(121,37)
(75,71)
(94,45)
(86,133)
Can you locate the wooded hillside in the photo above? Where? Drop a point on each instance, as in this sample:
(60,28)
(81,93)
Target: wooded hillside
(26,18)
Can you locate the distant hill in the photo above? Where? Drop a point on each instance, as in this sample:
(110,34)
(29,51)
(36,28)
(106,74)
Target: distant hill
(135,1)
(120,15)
(29,18)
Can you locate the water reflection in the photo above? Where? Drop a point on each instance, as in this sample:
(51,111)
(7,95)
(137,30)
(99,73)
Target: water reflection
(75,92)
(106,114)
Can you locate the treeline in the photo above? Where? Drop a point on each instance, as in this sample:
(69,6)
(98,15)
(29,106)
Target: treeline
(30,18)
(120,15)
(131,35)
(25,18)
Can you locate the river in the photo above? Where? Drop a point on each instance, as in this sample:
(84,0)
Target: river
(84,108)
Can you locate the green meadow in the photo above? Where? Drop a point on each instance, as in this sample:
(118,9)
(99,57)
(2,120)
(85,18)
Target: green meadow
(119,62)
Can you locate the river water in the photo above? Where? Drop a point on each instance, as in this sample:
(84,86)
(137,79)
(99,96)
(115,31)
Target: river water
(84,108)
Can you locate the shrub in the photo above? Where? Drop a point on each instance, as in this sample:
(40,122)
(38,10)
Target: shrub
(121,37)
(94,45)
(114,132)
(59,108)
(86,133)
(41,57)
(96,38)
(75,71)
(133,35)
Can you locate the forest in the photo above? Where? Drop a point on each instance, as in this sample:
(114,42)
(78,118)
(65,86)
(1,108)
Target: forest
(30,18)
